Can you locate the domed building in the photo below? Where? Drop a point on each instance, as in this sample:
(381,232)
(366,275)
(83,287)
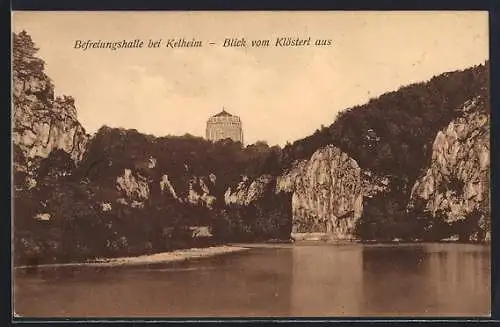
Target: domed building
(224,125)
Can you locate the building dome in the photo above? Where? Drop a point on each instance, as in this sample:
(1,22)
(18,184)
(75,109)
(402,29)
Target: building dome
(223,126)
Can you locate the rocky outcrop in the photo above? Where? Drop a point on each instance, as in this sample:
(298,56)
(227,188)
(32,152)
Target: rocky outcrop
(199,193)
(38,132)
(248,191)
(40,128)
(42,123)
(166,187)
(456,184)
(328,191)
(134,190)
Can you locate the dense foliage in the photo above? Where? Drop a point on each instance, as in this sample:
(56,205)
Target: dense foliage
(180,157)
(87,219)
(267,219)
(79,229)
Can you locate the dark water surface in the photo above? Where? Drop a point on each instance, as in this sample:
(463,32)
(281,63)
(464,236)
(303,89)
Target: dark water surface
(288,280)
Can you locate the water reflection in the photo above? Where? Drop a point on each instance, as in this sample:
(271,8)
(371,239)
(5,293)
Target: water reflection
(299,280)
(327,281)
(462,275)
(393,279)
(427,280)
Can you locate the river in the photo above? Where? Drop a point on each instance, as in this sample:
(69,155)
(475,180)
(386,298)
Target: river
(300,280)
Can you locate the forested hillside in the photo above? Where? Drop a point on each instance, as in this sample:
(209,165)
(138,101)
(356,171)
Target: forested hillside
(393,134)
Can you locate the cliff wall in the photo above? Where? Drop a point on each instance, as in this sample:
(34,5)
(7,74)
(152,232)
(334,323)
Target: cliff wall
(455,187)
(41,122)
(328,191)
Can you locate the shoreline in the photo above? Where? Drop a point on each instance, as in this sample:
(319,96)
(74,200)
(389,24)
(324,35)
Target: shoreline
(212,251)
(322,237)
(162,257)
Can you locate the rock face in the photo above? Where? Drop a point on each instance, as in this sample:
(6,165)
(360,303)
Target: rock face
(41,123)
(248,191)
(134,190)
(166,186)
(199,192)
(457,182)
(39,131)
(327,193)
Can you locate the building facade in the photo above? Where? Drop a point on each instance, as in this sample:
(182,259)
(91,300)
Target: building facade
(224,125)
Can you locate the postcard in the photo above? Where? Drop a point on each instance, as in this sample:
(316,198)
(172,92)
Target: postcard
(205,164)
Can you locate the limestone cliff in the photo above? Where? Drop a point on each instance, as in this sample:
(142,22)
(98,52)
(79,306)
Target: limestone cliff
(199,192)
(328,191)
(166,187)
(456,184)
(133,189)
(38,131)
(247,191)
(41,122)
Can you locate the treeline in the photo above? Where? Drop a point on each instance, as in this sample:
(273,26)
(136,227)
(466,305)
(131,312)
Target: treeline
(180,157)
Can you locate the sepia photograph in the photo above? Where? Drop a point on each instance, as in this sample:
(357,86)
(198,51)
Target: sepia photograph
(259,164)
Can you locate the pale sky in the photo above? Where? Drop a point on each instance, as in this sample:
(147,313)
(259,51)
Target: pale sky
(281,94)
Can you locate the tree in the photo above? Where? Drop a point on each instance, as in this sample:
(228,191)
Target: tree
(24,62)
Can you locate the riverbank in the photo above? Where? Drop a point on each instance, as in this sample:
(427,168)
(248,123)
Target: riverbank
(164,257)
(327,238)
